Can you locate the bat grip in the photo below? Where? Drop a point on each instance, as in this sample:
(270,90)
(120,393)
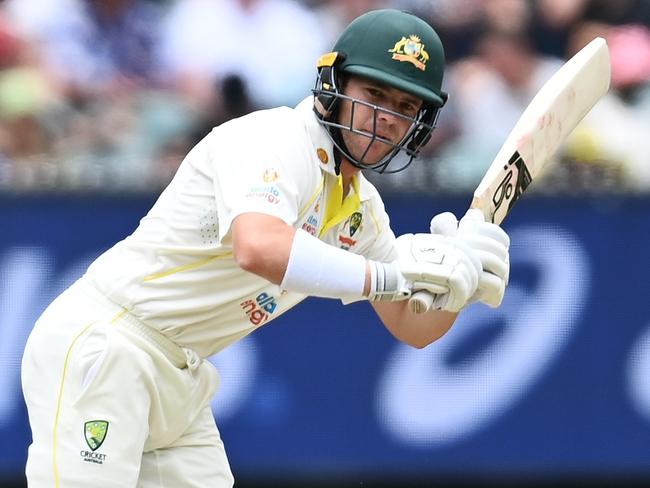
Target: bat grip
(421,300)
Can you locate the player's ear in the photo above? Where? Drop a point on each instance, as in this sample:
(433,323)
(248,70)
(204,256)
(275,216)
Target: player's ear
(343,82)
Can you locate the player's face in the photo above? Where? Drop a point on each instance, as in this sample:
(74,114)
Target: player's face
(363,118)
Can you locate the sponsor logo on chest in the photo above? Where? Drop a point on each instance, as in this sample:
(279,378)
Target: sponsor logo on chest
(311,225)
(350,228)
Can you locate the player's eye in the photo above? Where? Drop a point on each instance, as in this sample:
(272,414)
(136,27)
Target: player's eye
(374,93)
(408,108)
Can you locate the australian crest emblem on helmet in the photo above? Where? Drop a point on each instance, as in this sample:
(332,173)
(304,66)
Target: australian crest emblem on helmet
(411,50)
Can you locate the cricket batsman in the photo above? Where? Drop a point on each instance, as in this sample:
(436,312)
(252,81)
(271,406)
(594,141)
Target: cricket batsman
(265,211)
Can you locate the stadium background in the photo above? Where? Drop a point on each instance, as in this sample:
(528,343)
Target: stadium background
(99,100)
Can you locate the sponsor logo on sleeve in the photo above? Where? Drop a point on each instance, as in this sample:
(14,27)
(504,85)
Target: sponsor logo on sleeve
(269,193)
(260,309)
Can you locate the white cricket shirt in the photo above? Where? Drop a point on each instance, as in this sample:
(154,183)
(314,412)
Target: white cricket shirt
(176,272)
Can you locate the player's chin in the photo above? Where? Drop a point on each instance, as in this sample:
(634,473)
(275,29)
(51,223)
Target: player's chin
(375,152)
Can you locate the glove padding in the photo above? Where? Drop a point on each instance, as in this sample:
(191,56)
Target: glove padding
(445,266)
(489,242)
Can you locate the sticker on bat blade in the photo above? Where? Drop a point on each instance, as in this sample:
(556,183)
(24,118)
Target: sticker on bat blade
(513,184)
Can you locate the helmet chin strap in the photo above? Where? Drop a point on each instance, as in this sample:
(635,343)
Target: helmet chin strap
(340,148)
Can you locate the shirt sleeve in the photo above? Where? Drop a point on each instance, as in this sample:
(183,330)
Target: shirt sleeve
(265,177)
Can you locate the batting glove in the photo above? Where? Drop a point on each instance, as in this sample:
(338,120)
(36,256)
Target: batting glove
(489,242)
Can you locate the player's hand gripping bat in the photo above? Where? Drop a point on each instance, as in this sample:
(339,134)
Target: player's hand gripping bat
(550,117)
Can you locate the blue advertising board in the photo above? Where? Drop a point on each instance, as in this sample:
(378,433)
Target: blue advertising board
(555,382)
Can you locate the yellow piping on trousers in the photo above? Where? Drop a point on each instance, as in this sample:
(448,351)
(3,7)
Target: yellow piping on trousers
(58,403)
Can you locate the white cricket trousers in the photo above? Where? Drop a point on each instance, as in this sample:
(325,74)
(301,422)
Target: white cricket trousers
(114,403)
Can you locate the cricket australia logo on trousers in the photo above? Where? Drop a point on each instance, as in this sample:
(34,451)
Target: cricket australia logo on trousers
(95,433)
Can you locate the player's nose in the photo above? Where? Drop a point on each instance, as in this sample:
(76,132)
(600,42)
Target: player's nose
(386,124)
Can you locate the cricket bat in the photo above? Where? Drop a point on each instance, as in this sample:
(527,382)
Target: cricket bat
(551,116)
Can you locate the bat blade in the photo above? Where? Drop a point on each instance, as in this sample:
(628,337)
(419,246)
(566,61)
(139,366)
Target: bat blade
(550,117)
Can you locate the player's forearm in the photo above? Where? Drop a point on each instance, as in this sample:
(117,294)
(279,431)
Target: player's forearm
(261,245)
(268,247)
(415,330)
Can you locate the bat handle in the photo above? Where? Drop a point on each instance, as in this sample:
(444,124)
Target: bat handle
(421,300)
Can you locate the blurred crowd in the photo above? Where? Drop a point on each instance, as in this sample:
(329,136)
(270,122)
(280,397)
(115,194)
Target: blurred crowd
(109,95)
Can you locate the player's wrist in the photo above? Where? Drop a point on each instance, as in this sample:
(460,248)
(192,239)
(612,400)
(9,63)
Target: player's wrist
(319,269)
(386,282)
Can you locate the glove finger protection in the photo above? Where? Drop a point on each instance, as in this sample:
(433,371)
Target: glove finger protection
(474,222)
(493,255)
(491,290)
(462,280)
(491,244)
(484,237)
(444,223)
